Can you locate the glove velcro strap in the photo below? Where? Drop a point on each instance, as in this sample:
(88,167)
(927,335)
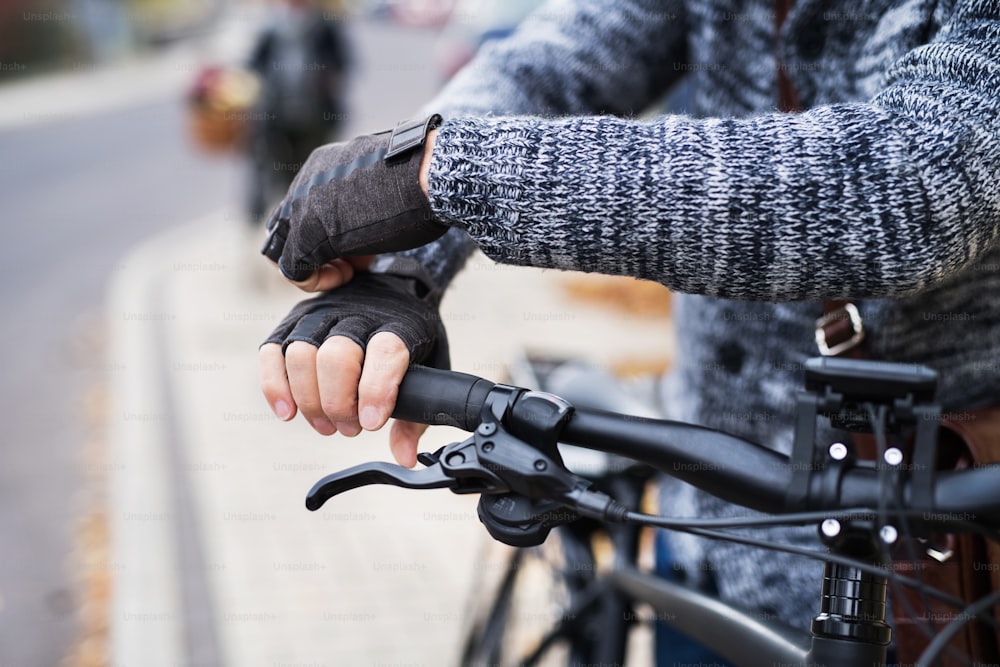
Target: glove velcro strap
(410,134)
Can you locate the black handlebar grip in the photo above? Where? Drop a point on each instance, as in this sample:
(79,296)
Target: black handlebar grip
(443,398)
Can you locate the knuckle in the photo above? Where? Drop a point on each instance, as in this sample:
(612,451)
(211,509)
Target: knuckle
(341,400)
(307,398)
(300,351)
(389,349)
(388,340)
(309,404)
(340,411)
(340,353)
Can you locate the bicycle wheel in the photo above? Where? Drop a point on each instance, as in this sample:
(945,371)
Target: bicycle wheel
(545,606)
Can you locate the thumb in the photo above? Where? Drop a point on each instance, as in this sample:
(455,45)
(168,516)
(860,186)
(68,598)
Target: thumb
(330,275)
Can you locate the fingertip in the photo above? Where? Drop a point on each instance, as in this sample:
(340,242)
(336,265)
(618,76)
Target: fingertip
(283,410)
(371,418)
(274,381)
(349,429)
(329,276)
(308,284)
(404,455)
(323,426)
(403,440)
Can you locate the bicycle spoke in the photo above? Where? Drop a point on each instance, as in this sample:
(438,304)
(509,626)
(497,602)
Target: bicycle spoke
(570,619)
(490,637)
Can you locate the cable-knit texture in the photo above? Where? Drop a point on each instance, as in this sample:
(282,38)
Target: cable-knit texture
(886,189)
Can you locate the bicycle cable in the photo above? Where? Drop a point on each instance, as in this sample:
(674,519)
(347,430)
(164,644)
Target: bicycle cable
(794,518)
(877,417)
(682,526)
(939,643)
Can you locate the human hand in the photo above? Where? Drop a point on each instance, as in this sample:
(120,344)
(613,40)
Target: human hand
(339,357)
(334,274)
(361,197)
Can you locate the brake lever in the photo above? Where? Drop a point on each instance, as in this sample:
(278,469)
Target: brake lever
(532,477)
(455,467)
(376,472)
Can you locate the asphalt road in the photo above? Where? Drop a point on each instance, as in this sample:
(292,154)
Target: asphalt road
(75,194)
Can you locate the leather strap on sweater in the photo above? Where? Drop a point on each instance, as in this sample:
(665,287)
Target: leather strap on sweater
(840,332)
(788,99)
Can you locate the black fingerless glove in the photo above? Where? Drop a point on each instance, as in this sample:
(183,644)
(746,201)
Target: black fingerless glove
(400,299)
(361,197)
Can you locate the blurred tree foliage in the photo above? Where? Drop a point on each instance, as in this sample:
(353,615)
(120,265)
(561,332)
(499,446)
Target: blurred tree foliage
(42,35)
(36,34)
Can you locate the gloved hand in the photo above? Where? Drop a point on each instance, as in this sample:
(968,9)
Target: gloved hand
(400,301)
(339,357)
(361,197)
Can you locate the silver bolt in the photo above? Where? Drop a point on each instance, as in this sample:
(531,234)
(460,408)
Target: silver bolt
(830,527)
(889,534)
(838,451)
(893,456)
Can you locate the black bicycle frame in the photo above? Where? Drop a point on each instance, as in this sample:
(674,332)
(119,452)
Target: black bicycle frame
(746,641)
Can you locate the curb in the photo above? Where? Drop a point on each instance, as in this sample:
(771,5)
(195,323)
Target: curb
(146,615)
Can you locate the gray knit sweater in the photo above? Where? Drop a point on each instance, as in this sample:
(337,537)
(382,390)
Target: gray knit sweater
(886,189)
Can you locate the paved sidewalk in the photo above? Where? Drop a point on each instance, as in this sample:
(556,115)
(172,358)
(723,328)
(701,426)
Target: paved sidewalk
(215,559)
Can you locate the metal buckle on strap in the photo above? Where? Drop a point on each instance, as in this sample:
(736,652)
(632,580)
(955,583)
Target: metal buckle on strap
(847,311)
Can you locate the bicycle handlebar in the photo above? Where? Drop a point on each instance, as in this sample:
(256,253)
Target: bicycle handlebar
(442,398)
(728,467)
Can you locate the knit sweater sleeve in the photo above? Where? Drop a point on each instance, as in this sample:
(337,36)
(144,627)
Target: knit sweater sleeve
(884,198)
(568,57)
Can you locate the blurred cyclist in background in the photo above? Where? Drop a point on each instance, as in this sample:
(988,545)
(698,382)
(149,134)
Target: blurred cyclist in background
(302,58)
